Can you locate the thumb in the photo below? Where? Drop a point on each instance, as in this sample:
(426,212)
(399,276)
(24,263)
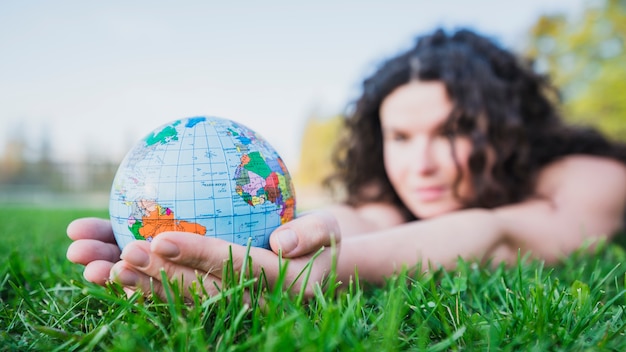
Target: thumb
(306,234)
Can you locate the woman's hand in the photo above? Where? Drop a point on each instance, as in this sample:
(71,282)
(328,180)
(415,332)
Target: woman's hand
(186,257)
(94,247)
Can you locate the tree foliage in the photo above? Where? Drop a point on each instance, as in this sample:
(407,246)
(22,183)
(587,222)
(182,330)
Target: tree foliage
(318,141)
(585,54)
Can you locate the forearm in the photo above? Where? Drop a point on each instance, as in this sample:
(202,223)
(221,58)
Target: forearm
(471,234)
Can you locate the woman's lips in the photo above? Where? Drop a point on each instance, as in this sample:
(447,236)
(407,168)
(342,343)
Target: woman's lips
(429,194)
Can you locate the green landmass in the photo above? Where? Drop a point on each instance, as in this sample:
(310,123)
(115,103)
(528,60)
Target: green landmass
(164,136)
(134,229)
(258,165)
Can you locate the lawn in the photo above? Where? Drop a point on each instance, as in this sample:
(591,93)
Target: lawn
(46,305)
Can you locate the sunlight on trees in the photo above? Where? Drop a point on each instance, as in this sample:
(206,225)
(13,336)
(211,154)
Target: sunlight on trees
(319,138)
(586,57)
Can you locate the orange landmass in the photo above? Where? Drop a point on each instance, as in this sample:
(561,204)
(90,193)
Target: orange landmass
(288,211)
(158,221)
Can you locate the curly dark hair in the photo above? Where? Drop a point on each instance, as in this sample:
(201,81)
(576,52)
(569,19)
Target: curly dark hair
(508,111)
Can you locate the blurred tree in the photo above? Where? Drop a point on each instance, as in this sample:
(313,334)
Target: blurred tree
(44,167)
(318,141)
(13,162)
(586,56)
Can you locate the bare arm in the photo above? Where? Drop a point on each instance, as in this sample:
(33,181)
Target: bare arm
(471,234)
(580,198)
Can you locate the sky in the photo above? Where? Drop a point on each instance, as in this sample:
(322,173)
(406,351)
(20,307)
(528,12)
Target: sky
(94,77)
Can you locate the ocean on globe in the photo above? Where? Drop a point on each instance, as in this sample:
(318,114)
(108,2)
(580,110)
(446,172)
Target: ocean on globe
(205,175)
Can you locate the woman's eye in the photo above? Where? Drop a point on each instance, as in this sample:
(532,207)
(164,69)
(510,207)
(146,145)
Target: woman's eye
(399,137)
(394,136)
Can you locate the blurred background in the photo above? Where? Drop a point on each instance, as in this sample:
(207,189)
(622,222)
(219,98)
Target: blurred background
(82,81)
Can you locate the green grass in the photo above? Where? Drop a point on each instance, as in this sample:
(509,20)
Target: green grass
(46,305)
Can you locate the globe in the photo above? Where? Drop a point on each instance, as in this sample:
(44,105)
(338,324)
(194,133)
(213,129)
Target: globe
(204,175)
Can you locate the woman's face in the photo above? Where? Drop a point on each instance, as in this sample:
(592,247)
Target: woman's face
(418,155)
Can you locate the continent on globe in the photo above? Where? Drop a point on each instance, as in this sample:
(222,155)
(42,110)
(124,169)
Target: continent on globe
(258,182)
(151,219)
(204,175)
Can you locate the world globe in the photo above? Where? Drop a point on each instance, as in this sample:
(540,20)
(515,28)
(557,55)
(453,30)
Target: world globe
(204,175)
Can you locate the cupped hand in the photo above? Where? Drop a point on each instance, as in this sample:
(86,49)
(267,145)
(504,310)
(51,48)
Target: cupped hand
(190,259)
(94,247)
(187,257)
(305,234)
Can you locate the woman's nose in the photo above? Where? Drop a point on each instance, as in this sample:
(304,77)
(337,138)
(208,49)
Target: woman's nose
(424,161)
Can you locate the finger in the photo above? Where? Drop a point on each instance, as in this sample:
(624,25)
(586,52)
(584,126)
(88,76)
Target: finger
(86,251)
(140,258)
(91,228)
(207,254)
(98,271)
(189,280)
(133,280)
(174,251)
(305,235)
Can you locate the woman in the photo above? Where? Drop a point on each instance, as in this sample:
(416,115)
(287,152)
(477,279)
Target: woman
(453,149)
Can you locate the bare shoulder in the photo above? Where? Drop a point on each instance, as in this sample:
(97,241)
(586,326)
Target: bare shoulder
(578,198)
(582,162)
(596,180)
(583,170)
